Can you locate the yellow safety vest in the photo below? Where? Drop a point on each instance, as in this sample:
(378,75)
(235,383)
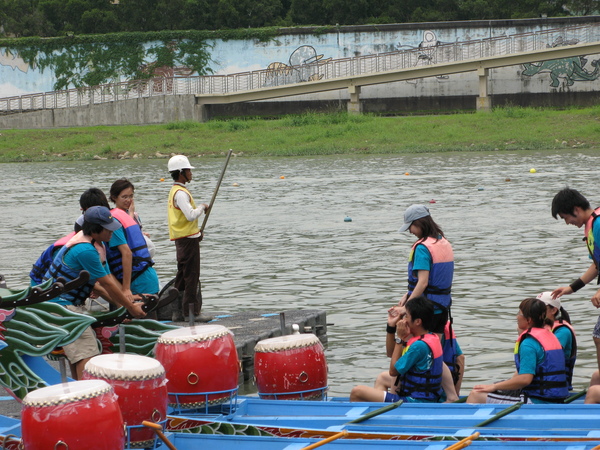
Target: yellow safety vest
(179,226)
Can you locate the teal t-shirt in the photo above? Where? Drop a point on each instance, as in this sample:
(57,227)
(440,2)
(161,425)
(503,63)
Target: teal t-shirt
(417,357)
(147,281)
(84,257)
(422,258)
(564,336)
(531,355)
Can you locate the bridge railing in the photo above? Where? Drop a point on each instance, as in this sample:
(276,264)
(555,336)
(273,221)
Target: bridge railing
(284,74)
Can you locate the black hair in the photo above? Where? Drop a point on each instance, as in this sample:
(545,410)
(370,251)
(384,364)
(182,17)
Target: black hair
(534,309)
(565,201)
(119,186)
(428,227)
(175,174)
(562,316)
(89,228)
(421,308)
(93,197)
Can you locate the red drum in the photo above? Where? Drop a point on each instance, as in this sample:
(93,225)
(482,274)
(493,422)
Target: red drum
(79,415)
(199,360)
(141,385)
(293,365)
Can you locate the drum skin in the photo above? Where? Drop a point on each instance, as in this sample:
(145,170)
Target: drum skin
(293,364)
(141,387)
(199,360)
(79,415)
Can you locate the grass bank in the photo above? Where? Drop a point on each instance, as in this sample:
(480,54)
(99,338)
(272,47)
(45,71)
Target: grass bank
(512,128)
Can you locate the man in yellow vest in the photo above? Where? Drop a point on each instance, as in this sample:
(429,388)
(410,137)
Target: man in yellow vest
(184,230)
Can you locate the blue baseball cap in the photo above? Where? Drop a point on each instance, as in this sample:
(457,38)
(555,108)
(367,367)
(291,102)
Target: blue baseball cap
(101,215)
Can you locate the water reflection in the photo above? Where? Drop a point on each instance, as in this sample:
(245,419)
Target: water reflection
(275,244)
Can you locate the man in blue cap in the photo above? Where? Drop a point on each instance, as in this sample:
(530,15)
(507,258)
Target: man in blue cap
(86,251)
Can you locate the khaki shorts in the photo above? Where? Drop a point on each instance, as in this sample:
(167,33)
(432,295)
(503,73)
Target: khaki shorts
(85,346)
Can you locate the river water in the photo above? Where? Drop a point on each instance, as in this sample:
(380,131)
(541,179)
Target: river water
(278,240)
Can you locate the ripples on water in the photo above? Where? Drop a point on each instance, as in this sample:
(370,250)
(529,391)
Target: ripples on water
(274,244)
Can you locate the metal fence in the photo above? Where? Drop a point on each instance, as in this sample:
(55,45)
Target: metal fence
(284,74)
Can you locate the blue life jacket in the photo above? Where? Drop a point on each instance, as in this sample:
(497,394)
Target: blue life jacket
(425,385)
(569,359)
(441,273)
(141,258)
(593,246)
(550,380)
(449,351)
(43,263)
(58,268)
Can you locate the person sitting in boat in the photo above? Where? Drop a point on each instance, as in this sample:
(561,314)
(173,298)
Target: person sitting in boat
(558,320)
(128,254)
(417,360)
(91,197)
(86,251)
(452,354)
(540,361)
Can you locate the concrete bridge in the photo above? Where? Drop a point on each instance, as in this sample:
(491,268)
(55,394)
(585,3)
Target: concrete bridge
(354,84)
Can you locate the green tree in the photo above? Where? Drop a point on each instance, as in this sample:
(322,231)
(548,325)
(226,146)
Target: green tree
(308,12)
(99,22)
(583,7)
(199,15)
(348,13)
(247,13)
(22,18)
(138,15)
(80,63)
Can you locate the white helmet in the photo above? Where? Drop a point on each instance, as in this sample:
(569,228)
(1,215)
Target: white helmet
(179,162)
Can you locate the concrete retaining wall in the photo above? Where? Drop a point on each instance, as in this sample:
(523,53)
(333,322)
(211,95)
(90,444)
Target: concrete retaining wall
(141,111)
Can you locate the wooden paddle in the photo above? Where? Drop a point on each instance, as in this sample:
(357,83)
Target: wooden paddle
(377,412)
(212,200)
(502,413)
(464,442)
(327,440)
(158,430)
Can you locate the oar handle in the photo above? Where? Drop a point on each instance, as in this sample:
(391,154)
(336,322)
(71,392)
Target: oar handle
(464,442)
(158,430)
(214,196)
(501,414)
(327,440)
(575,396)
(377,412)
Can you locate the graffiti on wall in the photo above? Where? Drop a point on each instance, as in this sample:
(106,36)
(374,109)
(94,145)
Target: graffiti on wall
(567,70)
(304,65)
(427,52)
(13,61)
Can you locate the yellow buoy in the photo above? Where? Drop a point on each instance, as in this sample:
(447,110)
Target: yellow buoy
(407,173)
(235,184)
(532,171)
(162,179)
(282,177)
